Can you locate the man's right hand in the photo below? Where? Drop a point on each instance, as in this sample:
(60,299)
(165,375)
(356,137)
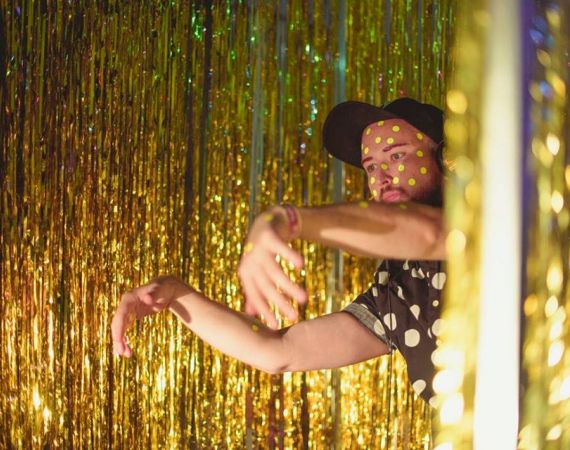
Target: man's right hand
(261,276)
(140,302)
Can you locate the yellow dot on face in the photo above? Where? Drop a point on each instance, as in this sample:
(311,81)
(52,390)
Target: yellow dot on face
(395,180)
(248,247)
(420,153)
(366,150)
(403,206)
(396,128)
(268,217)
(390,140)
(368,131)
(384,166)
(363,204)
(378,140)
(412,181)
(380,123)
(420,136)
(254,327)
(423,170)
(372,180)
(401,168)
(375,193)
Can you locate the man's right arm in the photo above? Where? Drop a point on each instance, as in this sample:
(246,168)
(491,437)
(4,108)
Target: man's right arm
(330,341)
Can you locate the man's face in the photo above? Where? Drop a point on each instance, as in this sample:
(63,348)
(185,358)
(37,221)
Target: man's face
(400,163)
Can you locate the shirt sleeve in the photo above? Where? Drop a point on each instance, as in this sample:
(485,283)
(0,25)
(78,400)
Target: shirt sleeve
(364,309)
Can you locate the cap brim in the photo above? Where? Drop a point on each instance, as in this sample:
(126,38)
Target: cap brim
(343,128)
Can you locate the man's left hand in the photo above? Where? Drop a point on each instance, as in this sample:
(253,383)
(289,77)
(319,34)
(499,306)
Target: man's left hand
(261,276)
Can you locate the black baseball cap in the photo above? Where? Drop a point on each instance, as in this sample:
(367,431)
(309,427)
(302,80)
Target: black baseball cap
(343,128)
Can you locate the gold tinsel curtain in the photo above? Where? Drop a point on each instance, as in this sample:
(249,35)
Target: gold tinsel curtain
(140,138)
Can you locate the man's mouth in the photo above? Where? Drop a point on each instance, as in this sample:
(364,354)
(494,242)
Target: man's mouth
(392,196)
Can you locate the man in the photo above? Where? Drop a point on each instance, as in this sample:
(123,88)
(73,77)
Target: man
(399,147)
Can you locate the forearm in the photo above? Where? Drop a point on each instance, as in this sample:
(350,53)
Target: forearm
(330,341)
(379,230)
(233,333)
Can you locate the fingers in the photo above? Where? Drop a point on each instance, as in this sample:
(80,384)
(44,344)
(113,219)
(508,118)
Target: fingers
(249,308)
(138,303)
(119,325)
(152,295)
(280,279)
(278,247)
(160,292)
(127,352)
(270,242)
(262,277)
(261,287)
(258,302)
(146,294)
(269,291)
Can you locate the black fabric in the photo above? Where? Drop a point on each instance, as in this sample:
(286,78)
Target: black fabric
(402,308)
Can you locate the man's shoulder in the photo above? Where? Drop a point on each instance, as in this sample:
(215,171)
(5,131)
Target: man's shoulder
(397,265)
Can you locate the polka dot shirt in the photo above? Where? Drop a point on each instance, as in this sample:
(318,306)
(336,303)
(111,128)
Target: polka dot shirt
(402,308)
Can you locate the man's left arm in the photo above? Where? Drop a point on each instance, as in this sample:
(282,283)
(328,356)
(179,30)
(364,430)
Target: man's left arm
(377,230)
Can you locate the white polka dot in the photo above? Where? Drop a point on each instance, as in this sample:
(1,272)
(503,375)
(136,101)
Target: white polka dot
(419,386)
(400,292)
(435,359)
(412,337)
(438,280)
(435,303)
(417,273)
(383,278)
(406,265)
(432,402)
(415,311)
(374,291)
(436,327)
(390,321)
(379,328)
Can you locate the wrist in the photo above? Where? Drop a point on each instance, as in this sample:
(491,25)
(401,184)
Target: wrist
(183,305)
(294,219)
(287,221)
(180,290)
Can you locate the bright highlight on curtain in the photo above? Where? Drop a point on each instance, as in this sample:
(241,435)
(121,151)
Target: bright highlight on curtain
(546,356)
(544,223)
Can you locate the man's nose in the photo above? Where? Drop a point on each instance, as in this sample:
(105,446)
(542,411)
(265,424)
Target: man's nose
(384,179)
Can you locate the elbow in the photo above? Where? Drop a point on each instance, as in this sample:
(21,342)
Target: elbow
(276,357)
(274,367)
(273,370)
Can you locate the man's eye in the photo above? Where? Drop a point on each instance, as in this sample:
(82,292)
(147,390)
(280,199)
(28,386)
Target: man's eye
(396,156)
(371,168)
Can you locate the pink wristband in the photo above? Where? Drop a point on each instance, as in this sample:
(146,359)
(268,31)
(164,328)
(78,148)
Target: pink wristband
(292,218)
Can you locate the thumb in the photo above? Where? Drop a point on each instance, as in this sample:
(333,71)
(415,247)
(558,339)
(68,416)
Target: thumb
(146,294)
(250,309)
